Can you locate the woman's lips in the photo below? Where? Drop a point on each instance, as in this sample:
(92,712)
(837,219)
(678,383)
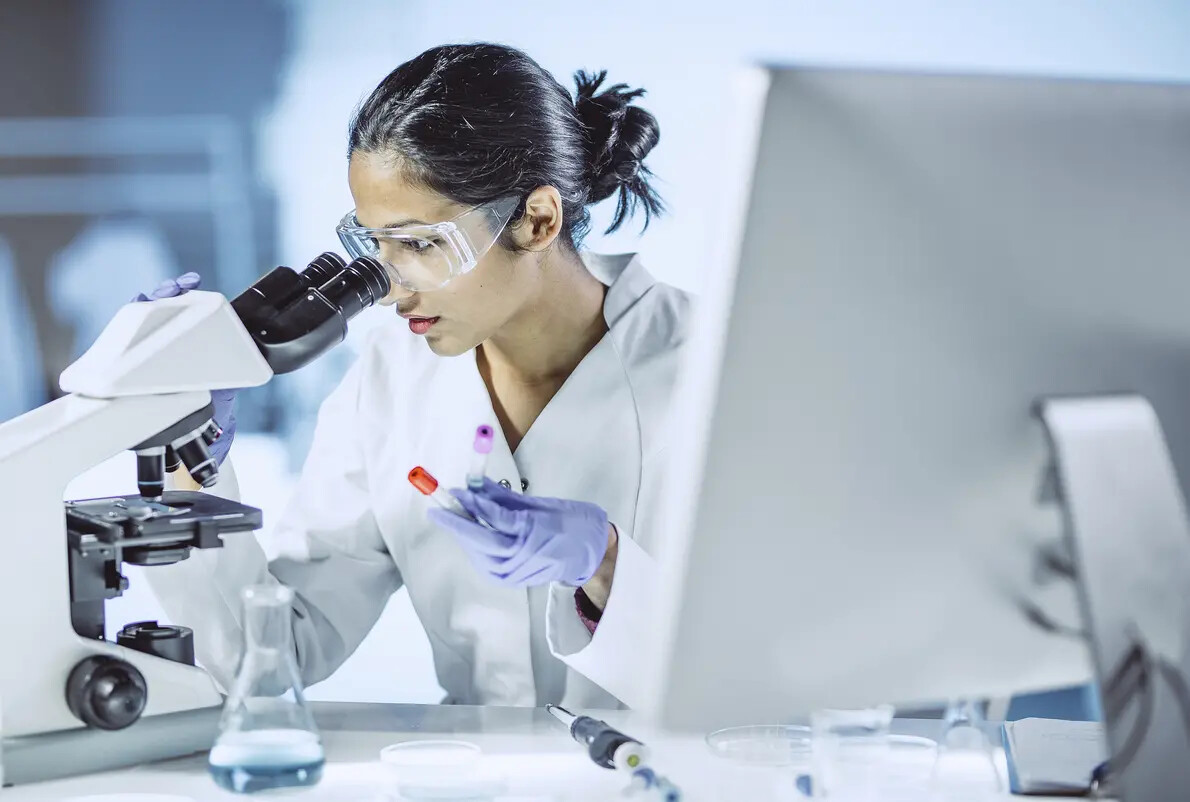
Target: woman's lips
(420,325)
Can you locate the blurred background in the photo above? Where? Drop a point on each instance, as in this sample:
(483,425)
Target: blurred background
(140,139)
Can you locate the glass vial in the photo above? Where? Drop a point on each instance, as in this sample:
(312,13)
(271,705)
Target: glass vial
(267,737)
(965,768)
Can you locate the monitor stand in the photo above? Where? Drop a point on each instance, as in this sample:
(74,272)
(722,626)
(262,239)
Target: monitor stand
(1127,530)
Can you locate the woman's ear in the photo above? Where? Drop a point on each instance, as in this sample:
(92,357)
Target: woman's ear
(542,222)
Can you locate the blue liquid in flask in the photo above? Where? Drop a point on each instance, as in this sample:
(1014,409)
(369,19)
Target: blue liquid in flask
(264,760)
(267,737)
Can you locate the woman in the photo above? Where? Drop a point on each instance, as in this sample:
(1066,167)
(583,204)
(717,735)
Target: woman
(572,357)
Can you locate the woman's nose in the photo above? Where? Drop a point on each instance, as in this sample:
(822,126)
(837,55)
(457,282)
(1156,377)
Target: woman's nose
(395,294)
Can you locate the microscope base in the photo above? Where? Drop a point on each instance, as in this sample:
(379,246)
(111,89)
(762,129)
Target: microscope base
(68,753)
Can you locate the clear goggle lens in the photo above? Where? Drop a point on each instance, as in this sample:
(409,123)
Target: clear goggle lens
(422,258)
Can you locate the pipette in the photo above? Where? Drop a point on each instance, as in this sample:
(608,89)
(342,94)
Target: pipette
(612,749)
(607,746)
(479,457)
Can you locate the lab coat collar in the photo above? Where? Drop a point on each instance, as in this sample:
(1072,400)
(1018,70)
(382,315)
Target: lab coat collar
(626,278)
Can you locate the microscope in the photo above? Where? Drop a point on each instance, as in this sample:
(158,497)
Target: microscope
(70,700)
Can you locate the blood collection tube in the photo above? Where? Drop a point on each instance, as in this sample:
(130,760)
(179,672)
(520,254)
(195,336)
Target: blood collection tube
(479,457)
(420,478)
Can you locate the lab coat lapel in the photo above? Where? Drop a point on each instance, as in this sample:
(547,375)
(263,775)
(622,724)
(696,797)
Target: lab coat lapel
(593,422)
(590,424)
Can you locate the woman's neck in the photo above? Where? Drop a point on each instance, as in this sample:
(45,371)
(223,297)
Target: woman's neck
(551,334)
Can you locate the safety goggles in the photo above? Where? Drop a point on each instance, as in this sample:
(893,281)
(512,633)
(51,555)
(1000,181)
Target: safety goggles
(427,257)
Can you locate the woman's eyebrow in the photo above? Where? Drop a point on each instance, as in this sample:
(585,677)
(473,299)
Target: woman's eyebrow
(409,222)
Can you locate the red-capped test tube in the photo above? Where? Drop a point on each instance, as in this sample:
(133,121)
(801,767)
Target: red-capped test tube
(420,478)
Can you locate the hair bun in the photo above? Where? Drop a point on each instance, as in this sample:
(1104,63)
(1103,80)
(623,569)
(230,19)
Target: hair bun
(619,136)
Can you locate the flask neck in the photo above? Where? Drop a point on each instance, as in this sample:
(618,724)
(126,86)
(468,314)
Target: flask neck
(268,623)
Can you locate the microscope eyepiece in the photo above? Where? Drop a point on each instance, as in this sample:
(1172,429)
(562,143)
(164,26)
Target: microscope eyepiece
(324,268)
(296,317)
(357,286)
(282,286)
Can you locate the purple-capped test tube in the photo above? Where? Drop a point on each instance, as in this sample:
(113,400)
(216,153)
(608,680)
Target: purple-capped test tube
(479,457)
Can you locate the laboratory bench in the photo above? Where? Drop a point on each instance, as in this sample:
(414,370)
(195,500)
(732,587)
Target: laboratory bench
(527,746)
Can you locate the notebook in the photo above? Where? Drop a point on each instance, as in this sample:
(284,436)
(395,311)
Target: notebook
(1048,756)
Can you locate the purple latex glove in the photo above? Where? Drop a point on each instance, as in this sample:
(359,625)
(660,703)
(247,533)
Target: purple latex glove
(225,418)
(172,287)
(224,401)
(533,541)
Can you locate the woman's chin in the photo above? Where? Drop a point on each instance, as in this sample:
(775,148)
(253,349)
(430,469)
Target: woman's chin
(444,343)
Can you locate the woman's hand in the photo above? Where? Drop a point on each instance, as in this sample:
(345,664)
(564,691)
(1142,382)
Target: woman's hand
(533,541)
(224,401)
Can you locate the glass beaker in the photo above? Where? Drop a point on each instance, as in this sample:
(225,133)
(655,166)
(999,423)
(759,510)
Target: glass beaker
(267,737)
(850,751)
(965,769)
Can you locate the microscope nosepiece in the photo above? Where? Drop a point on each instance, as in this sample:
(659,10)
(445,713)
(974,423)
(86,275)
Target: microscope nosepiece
(211,432)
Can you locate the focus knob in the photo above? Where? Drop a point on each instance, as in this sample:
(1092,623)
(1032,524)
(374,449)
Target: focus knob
(106,692)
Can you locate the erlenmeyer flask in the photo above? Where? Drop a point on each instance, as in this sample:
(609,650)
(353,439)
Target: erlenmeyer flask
(267,738)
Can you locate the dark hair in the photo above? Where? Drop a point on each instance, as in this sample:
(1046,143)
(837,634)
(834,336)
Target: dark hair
(479,122)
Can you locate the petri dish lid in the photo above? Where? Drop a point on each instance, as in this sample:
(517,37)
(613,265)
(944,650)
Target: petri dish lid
(441,770)
(785,744)
(431,754)
(762,744)
(910,742)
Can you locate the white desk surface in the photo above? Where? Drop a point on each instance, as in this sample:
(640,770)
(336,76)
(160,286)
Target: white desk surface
(535,754)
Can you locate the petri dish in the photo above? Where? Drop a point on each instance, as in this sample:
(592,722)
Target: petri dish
(440,770)
(762,744)
(431,755)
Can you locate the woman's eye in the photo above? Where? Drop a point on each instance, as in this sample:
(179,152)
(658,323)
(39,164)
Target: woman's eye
(417,245)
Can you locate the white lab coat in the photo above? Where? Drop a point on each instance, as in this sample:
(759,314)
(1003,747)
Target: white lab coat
(364,529)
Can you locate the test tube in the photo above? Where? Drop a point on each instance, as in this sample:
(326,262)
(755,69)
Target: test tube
(420,478)
(479,457)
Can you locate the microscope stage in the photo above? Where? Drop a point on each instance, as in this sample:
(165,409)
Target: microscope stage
(152,532)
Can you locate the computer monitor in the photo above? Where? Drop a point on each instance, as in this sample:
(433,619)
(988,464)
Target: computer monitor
(856,509)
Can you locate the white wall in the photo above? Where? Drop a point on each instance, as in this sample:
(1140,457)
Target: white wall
(683,54)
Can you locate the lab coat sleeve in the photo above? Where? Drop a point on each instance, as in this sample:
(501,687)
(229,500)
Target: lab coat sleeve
(342,579)
(608,657)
